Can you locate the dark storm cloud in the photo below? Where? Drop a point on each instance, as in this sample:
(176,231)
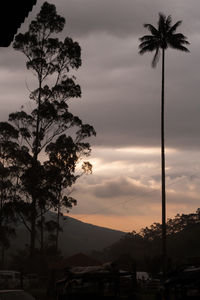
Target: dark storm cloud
(114,17)
(121,93)
(117,188)
(129,104)
(123,187)
(119,17)
(123,17)
(11,60)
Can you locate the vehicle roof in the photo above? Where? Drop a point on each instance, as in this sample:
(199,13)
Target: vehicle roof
(9,271)
(3,291)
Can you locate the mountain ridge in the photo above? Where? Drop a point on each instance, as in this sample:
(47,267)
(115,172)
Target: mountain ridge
(76,236)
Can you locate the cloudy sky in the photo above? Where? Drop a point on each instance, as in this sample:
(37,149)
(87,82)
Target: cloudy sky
(121,99)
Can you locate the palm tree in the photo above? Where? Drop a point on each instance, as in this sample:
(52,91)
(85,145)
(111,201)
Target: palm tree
(161,38)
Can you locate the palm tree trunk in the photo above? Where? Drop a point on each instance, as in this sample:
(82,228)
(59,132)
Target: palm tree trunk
(164,253)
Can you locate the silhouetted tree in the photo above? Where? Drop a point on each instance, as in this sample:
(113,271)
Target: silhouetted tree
(160,39)
(63,156)
(51,61)
(9,171)
(152,233)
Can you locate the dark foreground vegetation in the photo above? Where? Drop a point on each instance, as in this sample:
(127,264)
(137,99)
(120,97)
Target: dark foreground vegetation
(144,247)
(115,270)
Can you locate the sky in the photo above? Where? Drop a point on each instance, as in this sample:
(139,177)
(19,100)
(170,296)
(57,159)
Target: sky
(121,99)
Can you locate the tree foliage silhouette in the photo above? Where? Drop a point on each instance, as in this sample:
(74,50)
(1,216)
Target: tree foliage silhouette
(161,38)
(52,62)
(12,159)
(63,155)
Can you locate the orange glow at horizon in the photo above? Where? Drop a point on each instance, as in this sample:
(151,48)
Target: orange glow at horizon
(132,223)
(121,223)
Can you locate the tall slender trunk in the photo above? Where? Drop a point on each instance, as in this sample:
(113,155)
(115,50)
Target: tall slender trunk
(35,157)
(164,252)
(33,227)
(57,228)
(41,231)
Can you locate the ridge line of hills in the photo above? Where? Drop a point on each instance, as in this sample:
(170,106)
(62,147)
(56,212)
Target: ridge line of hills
(76,236)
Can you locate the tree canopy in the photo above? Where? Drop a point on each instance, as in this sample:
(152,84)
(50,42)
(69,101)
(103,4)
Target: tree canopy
(162,37)
(43,145)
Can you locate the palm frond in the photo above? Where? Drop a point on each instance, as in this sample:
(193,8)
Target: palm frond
(148,48)
(151,28)
(179,47)
(179,37)
(174,27)
(177,41)
(161,22)
(146,38)
(168,23)
(149,44)
(162,37)
(156,57)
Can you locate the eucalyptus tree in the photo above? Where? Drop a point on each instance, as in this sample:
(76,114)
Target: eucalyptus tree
(63,156)
(52,61)
(159,40)
(12,160)
(8,136)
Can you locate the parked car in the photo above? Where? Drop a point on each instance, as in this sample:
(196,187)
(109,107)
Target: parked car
(15,295)
(10,279)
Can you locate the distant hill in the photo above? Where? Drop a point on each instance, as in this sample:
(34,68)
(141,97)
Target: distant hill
(77,236)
